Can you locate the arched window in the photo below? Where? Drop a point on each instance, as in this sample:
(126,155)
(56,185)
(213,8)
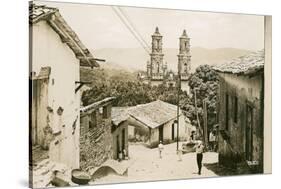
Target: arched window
(185,67)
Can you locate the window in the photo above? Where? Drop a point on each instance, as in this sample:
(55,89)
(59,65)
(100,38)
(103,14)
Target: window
(106,112)
(235,109)
(226,111)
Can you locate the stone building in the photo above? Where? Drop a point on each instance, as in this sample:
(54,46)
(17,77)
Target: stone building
(157,71)
(103,133)
(156,121)
(241,104)
(95,133)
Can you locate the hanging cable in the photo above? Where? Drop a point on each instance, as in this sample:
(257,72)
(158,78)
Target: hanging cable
(133,26)
(130,29)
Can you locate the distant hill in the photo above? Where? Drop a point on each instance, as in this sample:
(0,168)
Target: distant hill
(133,59)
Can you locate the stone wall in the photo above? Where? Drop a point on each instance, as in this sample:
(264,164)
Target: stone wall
(232,138)
(95,139)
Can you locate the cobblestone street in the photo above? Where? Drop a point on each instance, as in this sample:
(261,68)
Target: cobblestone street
(147,166)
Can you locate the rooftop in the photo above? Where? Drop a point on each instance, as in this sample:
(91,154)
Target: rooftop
(119,114)
(248,64)
(52,16)
(97,105)
(154,114)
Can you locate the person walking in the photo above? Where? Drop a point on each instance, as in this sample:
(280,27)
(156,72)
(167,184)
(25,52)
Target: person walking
(160,148)
(179,153)
(212,140)
(199,155)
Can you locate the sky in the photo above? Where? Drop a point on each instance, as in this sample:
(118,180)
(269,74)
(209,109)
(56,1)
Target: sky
(98,27)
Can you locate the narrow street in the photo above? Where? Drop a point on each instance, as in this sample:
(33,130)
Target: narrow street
(147,166)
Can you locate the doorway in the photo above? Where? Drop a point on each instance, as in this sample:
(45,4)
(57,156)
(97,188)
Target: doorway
(161,133)
(173,131)
(249,133)
(123,140)
(117,146)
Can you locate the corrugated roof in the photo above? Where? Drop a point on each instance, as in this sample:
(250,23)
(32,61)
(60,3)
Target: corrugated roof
(247,64)
(38,13)
(154,114)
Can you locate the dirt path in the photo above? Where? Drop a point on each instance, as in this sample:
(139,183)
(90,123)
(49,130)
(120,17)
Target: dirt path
(147,165)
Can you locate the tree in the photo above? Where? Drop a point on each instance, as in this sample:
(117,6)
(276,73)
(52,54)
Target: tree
(205,83)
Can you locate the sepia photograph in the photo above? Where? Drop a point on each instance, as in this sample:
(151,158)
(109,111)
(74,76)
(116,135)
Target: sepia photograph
(121,94)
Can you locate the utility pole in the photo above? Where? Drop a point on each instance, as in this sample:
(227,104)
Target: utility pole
(178,108)
(197,116)
(205,118)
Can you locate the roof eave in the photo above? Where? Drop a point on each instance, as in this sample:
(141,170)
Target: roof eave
(67,35)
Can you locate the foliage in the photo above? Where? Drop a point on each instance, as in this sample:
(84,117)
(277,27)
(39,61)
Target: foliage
(205,83)
(130,92)
(126,88)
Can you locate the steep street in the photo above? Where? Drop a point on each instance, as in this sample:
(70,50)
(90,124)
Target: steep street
(147,166)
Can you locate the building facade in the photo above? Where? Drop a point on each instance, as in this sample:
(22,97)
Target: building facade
(157,121)
(103,134)
(120,133)
(241,102)
(54,118)
(157,71)
(95,133)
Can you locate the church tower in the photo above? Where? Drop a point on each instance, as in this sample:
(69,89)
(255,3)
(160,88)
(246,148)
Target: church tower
(157,67)
(184,57)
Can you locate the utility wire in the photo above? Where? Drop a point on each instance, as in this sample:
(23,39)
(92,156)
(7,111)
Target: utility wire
(130,29)
(133,26)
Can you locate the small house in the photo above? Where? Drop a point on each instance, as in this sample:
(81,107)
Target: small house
(157,121)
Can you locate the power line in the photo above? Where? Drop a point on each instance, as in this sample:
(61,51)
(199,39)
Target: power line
(133,26)
(130,29)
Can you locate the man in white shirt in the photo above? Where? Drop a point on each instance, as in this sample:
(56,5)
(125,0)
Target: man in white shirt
(160,148)
(199,147)
(212,140)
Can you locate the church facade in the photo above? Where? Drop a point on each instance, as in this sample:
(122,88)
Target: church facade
(157,71)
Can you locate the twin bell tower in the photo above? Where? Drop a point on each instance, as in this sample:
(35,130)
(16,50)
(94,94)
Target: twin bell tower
(157,71)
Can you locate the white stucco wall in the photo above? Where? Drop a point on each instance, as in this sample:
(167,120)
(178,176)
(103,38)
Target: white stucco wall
(184,131)
(49,51)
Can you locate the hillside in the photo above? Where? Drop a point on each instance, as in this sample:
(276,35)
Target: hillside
(133,59)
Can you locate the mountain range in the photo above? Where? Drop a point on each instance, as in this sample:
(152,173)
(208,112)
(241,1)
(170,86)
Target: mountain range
(135,59)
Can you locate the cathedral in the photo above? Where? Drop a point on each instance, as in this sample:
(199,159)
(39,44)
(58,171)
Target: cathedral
(156,68)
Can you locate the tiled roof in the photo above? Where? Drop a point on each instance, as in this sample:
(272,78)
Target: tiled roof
(38,13)
(154,114)
(119,114)
(247,64)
